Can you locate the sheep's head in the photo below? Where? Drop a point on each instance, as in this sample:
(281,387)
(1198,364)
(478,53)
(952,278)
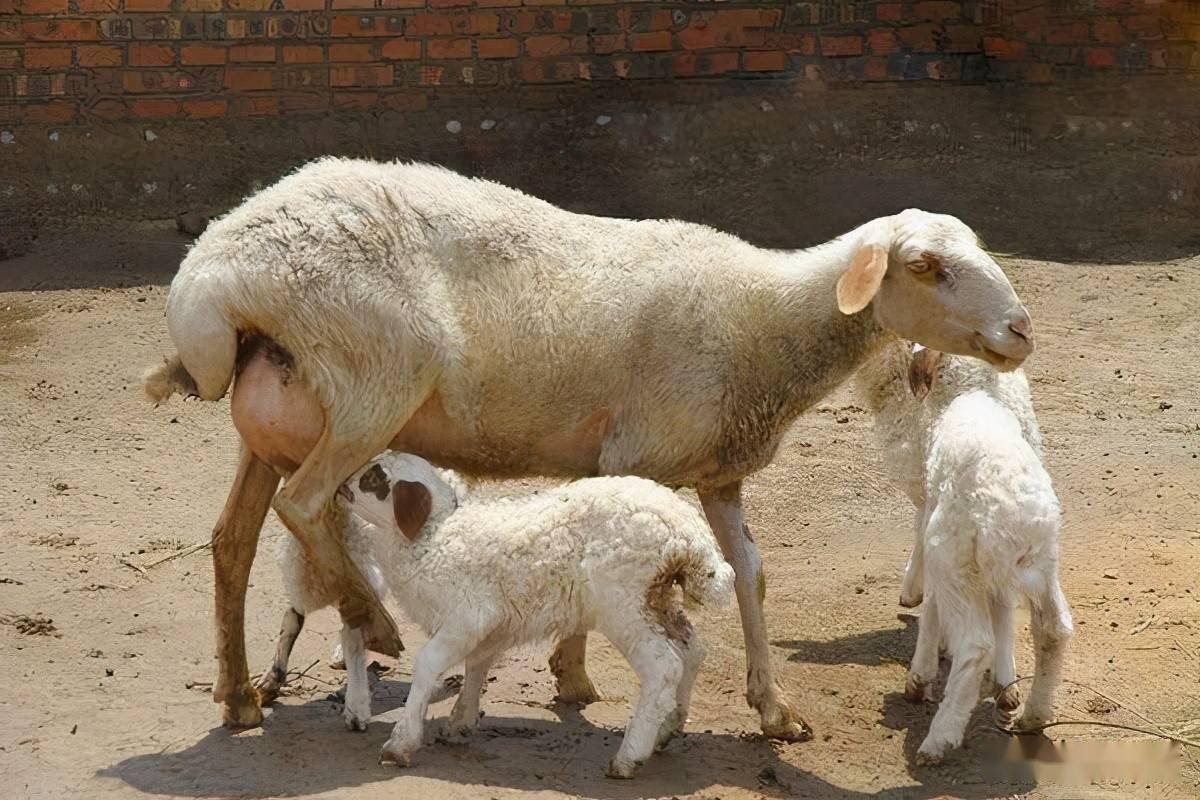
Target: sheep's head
(929,280)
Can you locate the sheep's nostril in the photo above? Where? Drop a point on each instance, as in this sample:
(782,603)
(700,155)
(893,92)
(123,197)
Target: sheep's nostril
(1022,326)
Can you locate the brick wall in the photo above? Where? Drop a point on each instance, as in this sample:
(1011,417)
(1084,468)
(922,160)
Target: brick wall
(64,61)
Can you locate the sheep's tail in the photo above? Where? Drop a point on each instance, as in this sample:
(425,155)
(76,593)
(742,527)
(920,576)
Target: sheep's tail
(205,338)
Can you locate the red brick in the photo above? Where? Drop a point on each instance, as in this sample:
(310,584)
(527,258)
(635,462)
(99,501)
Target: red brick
(62,30)
(963,39)
(405,101)
(201,5)
(201,54)
(704,63)
(448,3)
(155,109)
(33,7)
(1038,73)
(944,69)
(351,52)
(889,12)
(920,38)
(50,113)
(247,80)
(341,5)
(352,25)
(254,106)
(147,5)
(1067,33)
(97,6)
(882,41)
(401,49)
(205,109)
(1108,30)
(936,10)
(878,69)
(1147,26)
(608,43)
(1003,49)
(151,55)
(841,46)
(538,46)
(497,48)
(108,108)
(303,5)
(347,101)
(402,4)
(428,25)
(483,23)
(47,57)
(702,34)
(770,61)
(1101,57)
(248,5)
(650,42)
(361,76)
(10,59)
(262,53)
(448,48)
(99,56)
(497,3)
(303,54)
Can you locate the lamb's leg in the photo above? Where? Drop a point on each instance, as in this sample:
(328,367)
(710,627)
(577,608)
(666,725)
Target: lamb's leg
(924,667)
(912,588)
(968,628)
(447,647)
(1051,627)
(723,508)
(235,538)
(692,655)
(1004,670)
(568,663)
(274,676)
(464,717)
(357,711)
(659,668)
(306,507)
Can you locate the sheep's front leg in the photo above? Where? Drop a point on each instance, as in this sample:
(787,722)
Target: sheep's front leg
(568,663)
(723,508)
(357,711)
(1051,626)
(235,539)
(306,507)
(464,717)
(912,588)
(274,676)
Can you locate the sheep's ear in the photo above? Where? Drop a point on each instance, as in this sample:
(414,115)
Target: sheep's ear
(411,504)
(858,284)
(922,369)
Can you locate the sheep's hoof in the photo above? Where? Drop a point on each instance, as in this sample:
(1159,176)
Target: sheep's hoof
(931,757)
(623,770)
(671,727)
(354,721)
(396,755)
(246,714)
(267,686)
(1030,722)
(1008,699)
(911,601)
(788,726)
(916,690)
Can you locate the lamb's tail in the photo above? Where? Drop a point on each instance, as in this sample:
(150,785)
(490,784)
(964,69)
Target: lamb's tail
(705,578)
(205,338)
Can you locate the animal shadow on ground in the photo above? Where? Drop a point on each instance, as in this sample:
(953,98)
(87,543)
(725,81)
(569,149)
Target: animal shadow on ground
(886,645)
(304,749)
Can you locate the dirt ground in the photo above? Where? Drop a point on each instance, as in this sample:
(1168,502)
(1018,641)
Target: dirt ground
(107,655)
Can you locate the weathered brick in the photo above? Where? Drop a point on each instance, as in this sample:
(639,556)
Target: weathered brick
(50,113)
(195,6)
(497,3)
(10,58)
(448,48)
(97,6)
(151,55)
(247,80)
(350,101)
(1101,57)
(429,25)
(361,76)
(539,46)
(155,108)
(99,56)
(61,30)
(883,41)
(260,53)
(687,64)
(483,23)
(497,48)
(365,25)
(650,42)
(303,5)
(401,49)
(1075,32)
(205,109)
(937,10)
(765,61)
(1004,49)
(889,12)
(345,51)
(963,39)
(1108,31)
(1038,73)
(254,106)
(194,54)
(34,7)
(108,108)
(303,54)
(944,69)
(448,3)
(607,43)
(147,5)
(47,57)
(248,5)
(841,45)
(920,38)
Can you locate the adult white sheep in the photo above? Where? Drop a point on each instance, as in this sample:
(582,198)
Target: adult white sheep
(962,440)
(486,330)
(481,577)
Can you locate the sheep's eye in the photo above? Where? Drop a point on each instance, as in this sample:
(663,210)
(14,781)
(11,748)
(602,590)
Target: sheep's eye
(926,263)
(919,266)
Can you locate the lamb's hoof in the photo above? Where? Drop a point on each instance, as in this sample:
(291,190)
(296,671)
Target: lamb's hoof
(917,690)
(1030,722)
(671,727)
(246,714)
(1008,699)
(396,755)
(355,721)
(911,600)
(621,769)
(267,686)
(576,690)
(932,752)
(788,726)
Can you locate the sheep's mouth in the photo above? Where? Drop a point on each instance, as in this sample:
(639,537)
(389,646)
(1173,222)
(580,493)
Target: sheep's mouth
(999,360)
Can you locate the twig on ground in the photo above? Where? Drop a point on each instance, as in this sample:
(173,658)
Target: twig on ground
(187,551)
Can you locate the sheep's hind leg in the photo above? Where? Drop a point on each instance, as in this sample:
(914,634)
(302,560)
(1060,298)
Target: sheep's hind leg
(357,710)
(568,663)
(274,676)
(464,717)
(1051,627)
(306,507)
(235,539)
(723,508)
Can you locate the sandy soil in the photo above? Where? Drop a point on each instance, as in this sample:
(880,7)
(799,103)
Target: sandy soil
(106,658)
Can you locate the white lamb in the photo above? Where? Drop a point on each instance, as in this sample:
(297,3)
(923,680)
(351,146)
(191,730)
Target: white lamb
(962,440)
(480,577)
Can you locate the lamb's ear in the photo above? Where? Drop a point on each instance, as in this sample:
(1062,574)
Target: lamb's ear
(858,284)
(411,504)
(922,369)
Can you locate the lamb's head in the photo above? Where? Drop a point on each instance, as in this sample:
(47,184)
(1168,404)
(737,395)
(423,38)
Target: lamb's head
(929,280)
(400,491)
